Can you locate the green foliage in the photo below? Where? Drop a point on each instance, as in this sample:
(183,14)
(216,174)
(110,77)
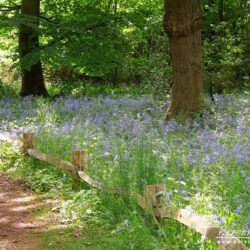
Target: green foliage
(124,42)
(226,45)
(116,42)
(9,158)
(84,206)
(7,89)
(94,90)
(44,180)
(37,175)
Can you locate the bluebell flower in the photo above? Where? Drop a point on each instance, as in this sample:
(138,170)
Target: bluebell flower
(238,209)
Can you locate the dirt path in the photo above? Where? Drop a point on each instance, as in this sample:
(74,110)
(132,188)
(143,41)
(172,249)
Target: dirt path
(16,207)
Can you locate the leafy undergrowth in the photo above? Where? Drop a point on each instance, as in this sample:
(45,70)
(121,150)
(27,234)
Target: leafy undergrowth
(204,164)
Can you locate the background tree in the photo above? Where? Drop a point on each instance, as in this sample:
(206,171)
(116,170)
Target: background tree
(118,42)
(182,23)
(32,76)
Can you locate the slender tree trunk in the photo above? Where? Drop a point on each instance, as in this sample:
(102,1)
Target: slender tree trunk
(32,78)
(182,23)
(221,10)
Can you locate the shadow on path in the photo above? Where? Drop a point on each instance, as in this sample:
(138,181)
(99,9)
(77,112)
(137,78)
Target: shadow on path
(16,207)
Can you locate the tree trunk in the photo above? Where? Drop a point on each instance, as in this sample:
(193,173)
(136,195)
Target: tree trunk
(182,23)
(221,10)
(32,77)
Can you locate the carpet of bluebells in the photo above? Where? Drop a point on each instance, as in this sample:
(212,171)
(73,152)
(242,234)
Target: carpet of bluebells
(205,162)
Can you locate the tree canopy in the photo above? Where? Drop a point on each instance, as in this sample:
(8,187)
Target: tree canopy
(119,42)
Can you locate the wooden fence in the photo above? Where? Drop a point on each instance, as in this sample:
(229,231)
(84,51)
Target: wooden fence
(152,202)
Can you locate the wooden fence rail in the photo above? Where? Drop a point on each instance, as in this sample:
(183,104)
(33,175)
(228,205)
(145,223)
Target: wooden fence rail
(67,166)
(198,223)
(152,201)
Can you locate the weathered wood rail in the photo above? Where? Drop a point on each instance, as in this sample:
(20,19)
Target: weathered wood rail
(152,201)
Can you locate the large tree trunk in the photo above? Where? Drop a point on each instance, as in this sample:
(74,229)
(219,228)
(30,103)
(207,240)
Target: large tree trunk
(182,23)
(32,77)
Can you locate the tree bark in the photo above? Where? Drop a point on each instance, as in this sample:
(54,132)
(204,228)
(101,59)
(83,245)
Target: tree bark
(32,78)
(182,23)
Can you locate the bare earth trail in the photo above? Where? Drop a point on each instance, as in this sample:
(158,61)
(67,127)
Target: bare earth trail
(16,207)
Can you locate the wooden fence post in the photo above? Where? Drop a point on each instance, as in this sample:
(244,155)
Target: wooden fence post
(28,141)
(79,160)
(154,195)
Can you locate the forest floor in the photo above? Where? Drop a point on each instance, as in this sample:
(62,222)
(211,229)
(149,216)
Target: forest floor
(18,226)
